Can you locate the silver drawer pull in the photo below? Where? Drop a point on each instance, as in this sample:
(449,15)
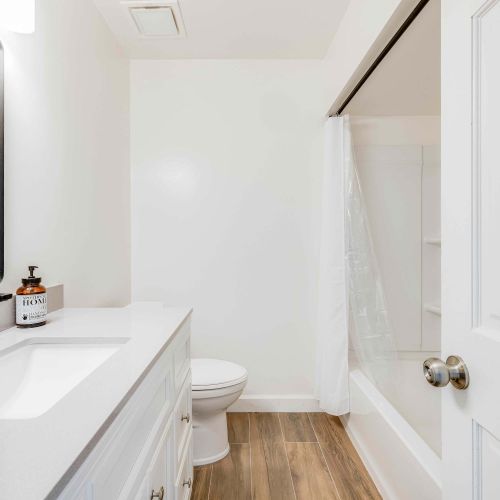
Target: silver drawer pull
(187,483)
(187,418)
(158,495)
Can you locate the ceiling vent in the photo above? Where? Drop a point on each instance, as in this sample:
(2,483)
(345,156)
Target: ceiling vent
(156,19)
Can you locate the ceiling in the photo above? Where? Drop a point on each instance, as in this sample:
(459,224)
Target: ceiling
(234,29)
(407,81)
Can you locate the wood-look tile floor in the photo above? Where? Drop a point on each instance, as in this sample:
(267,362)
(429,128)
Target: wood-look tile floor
(285,456)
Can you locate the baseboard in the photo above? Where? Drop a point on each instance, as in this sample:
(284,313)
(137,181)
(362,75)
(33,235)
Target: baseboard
(276,403)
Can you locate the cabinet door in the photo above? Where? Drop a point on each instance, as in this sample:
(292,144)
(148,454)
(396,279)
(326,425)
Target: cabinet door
(183,421)
(184,482)
(144,492)
(160,476)
(134,439)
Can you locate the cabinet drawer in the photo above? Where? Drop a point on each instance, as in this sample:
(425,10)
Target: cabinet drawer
(182,355)
(183,419)
(184,484)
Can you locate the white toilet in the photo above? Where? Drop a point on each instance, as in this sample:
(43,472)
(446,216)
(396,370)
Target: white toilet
(216,385)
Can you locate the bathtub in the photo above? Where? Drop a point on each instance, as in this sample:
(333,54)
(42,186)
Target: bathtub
(402,464)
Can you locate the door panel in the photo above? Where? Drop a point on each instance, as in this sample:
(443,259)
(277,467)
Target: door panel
(471,244)
(486,171)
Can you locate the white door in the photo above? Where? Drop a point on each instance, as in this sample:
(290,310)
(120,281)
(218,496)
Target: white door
(471,245)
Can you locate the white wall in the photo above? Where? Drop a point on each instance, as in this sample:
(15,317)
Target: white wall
(67,155)
(396,130)
(226,169)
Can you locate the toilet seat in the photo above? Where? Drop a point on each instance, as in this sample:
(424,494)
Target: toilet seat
(210,374)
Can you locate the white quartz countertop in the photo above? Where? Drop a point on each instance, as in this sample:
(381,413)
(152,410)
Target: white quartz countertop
(37,453)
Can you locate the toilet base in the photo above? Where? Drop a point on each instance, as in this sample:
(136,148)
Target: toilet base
(211,460)
(210,438)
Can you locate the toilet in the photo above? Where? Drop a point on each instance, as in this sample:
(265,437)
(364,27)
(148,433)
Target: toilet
(216,385)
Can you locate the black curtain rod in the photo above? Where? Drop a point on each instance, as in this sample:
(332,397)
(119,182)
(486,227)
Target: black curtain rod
(415,12)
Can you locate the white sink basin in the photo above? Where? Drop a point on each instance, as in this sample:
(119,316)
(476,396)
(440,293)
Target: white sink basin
(35,374)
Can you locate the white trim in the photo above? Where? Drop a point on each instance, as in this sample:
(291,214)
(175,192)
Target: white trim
(477,455)
(276,403)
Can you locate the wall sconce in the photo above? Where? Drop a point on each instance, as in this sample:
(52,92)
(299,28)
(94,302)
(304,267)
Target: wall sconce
(18,15)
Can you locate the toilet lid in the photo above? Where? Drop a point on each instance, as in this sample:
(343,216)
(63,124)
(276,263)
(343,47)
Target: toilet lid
(215,374)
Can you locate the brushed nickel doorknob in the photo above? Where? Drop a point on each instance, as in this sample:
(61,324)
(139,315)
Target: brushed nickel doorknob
(158,494)
(439,374)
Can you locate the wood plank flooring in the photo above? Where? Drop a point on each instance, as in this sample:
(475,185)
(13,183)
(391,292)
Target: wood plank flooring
(285,456)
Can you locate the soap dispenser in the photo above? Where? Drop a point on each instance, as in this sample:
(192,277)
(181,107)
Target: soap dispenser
(31,302)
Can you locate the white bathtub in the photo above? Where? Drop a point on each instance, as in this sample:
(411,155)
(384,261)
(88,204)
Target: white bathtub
(402,464)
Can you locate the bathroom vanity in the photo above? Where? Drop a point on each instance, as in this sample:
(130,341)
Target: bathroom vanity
(96,405)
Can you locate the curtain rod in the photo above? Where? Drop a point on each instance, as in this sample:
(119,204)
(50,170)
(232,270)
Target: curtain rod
(408,21)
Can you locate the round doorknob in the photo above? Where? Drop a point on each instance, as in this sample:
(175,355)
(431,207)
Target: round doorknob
(439,374)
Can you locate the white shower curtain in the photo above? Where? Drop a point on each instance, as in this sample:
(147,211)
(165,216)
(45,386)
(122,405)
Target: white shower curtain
(350,284)
(332,387)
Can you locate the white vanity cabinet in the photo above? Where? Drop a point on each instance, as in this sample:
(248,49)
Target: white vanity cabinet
(146,453)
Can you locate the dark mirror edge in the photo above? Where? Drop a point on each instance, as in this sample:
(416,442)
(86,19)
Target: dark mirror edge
(2,262)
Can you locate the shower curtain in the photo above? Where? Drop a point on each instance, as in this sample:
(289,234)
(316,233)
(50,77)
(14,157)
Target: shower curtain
(332,388)
(351,300)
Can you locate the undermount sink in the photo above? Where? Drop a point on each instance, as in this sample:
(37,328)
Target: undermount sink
(36,373)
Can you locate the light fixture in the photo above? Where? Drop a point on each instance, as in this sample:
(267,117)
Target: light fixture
(18,15)
(155,21)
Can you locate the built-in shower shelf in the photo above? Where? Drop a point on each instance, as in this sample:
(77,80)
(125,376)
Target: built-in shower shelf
(433,241)
(433,308)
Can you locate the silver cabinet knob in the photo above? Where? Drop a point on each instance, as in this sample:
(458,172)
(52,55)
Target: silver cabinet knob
(187,418)
(187,483)
(158,494)
(439,374)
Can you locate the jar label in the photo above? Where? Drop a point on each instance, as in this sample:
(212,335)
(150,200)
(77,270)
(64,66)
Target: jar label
(31,309)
